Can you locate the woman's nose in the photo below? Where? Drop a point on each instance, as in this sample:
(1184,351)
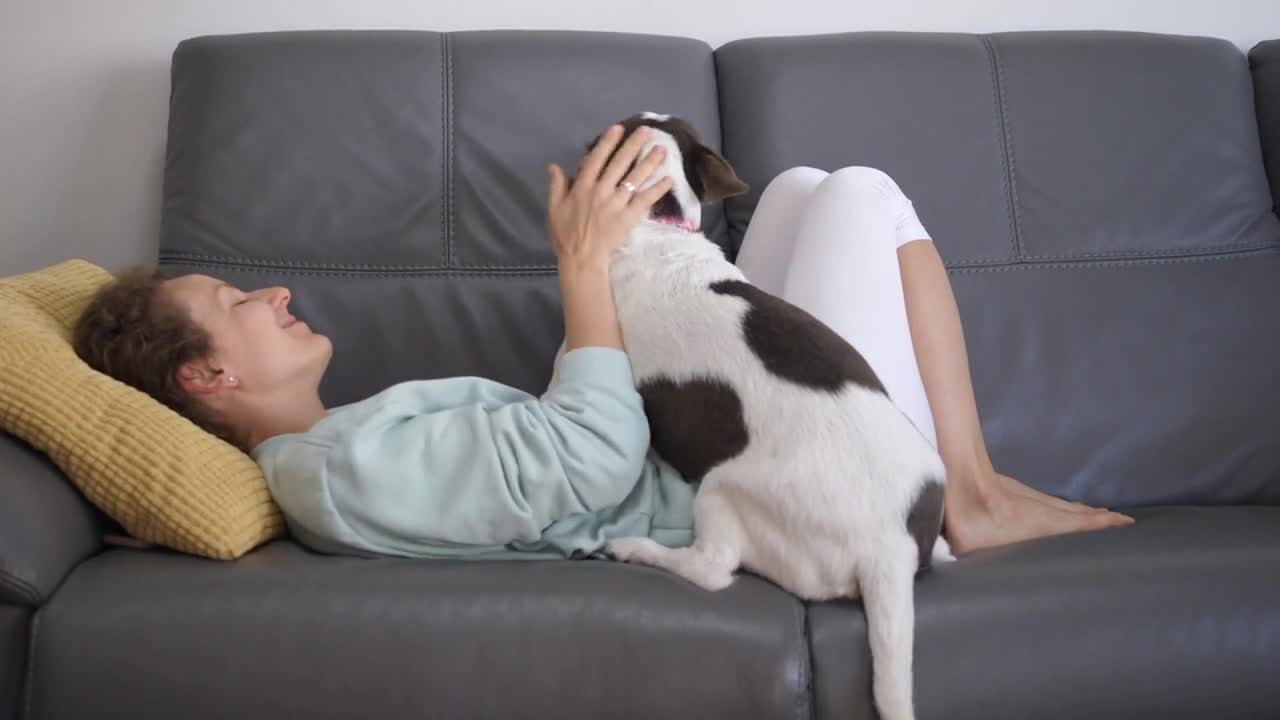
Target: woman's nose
(276,297)
(280,297)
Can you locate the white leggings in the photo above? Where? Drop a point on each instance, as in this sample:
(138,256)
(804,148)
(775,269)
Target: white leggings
(828,243)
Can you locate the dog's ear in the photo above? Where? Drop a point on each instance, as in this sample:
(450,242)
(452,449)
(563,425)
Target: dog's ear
(719,181)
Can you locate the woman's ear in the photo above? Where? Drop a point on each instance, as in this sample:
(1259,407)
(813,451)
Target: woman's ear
(719,181)
(200,378)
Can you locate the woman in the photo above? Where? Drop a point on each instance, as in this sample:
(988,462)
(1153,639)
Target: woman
(465,467)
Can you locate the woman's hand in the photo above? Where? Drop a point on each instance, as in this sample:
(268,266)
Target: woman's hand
(590,220)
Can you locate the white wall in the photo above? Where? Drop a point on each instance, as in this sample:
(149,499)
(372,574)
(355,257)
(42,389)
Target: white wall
(84,85)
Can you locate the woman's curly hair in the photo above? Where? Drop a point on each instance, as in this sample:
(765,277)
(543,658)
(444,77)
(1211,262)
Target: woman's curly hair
(133,331)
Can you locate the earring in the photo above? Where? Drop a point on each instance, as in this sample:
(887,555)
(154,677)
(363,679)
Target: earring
(231,379)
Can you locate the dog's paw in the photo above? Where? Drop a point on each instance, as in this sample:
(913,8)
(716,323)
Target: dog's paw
(713,580)
(632,549)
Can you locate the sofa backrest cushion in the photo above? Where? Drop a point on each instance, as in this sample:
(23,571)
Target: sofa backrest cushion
(1100,201)
(1264,62)
(396,181)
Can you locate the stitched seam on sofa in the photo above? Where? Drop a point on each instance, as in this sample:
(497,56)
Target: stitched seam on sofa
(486,266)
(1130,254)
(282,265)
(425,272)
(24,589)
(805,705)
(1011,155)
(1208,250)
(997,93)
(734,245)
(449,198)
(720,204)
(185,257)
(446,129)
(28,686)
(1088,264)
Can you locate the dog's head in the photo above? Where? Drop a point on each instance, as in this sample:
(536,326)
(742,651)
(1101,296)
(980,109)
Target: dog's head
(698,173)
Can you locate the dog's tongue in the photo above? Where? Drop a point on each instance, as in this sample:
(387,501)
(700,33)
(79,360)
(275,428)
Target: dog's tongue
(677,221)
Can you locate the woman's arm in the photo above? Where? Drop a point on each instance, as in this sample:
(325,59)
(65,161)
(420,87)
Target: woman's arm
(459,466)
(589,221)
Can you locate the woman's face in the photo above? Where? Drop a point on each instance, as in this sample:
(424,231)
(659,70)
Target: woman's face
(255,339)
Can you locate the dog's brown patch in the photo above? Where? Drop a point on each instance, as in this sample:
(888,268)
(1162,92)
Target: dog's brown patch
(694,425)
(795,345)
(924,520)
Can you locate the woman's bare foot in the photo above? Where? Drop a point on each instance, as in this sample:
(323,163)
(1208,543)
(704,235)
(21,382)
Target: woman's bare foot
(992,509)
(1027,491)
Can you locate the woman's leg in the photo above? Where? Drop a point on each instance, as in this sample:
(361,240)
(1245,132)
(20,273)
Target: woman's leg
(766,248)
(843,270)
(983,507)
(860,260)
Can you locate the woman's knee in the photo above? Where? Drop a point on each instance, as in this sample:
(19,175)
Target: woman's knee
(801,180)
(860,179)
(864,192)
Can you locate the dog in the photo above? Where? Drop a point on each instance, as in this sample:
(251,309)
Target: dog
(807,473)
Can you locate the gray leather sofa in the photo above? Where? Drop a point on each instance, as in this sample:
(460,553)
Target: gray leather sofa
(1100,200)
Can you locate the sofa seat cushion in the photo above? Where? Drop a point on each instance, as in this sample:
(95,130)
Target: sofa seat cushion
(286,633)
(1175,616)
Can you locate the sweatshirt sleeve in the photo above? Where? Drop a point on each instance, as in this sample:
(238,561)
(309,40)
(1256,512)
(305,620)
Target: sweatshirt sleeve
(497,468)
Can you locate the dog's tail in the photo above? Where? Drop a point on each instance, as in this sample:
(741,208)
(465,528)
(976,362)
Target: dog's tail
(887,586)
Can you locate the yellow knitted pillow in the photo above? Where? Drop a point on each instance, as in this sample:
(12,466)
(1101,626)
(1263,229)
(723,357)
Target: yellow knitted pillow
(161,477)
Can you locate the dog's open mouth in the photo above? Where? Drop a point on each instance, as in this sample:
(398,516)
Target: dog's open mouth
(677,221)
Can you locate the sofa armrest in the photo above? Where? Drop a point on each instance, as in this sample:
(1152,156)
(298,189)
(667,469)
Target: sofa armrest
(46,526)
(1264,63)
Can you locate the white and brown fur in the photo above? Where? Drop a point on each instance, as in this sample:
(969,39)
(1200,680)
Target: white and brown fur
(809,475)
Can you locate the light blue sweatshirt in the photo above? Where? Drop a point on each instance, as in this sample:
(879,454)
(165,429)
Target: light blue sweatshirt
(470,468)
